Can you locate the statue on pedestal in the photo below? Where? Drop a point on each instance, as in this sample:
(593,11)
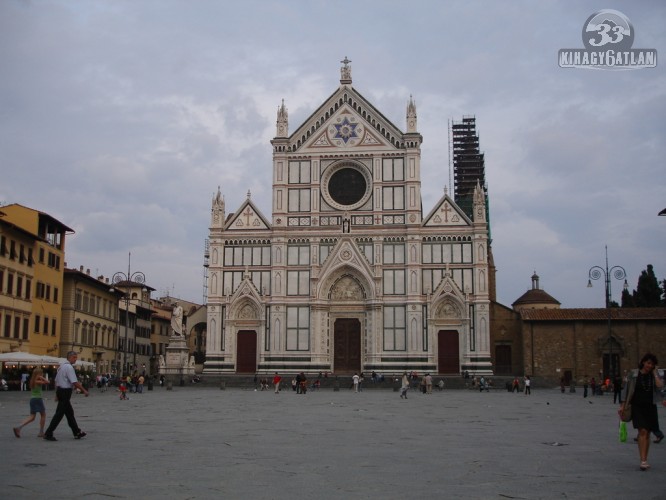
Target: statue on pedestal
(177,320)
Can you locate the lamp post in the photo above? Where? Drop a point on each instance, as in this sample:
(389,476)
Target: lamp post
(617,272)
(127,279)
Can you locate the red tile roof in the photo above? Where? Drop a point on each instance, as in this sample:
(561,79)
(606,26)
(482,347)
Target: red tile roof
(617,314)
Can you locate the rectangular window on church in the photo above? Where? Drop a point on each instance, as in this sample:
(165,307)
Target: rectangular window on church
(298,328)
(261,280)
(464,279)
(395,331)
(467,253)
(298,255)
(247,256)
(298,282)
(393,169)
(238,256)
(431,278)
(394,282)
(457,253)
(299,200)
(256,256)
(393,197)
(437,253)
(230,281)
(299,172)
(394,253)
(426,250)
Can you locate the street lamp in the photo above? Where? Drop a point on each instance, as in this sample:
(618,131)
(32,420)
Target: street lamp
(131,277)
(618,272)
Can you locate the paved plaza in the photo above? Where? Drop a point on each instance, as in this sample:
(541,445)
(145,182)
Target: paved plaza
(202,442)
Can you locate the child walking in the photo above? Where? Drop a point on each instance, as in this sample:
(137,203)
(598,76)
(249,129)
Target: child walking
(123,391)
(36,403)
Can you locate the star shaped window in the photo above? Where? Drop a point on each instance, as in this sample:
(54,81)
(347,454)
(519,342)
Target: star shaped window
(346,130)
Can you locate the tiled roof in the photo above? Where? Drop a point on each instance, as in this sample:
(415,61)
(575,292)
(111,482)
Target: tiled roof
(536,296)
(617,314)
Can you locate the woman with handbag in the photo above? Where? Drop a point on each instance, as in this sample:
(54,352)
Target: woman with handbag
(642,392)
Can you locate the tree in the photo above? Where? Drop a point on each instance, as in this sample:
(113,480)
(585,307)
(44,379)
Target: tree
(627,299)
(648,292)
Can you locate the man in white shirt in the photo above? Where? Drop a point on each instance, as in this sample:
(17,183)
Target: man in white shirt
(65,380)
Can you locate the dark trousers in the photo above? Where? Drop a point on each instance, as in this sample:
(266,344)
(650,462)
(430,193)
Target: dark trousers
(617,395)
(64,409)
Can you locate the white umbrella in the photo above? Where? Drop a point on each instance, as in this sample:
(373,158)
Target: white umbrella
(26,358)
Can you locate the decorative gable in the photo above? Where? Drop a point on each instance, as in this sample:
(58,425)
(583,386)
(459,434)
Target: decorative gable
(248,217)
(246,302)
(446,214)
(346,256)
(346,120)
(447,299)
(345,129)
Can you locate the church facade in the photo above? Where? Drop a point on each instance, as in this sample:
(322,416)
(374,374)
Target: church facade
(348,274)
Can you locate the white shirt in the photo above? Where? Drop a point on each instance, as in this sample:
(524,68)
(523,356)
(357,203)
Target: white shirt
(66,376)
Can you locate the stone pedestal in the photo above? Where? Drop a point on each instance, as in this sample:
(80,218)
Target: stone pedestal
(177,366)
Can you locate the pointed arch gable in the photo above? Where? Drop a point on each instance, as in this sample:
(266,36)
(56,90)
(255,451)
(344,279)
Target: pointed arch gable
(246,308)
(448,307)
(246,303)
(347,287)
(345,259)
(448,300)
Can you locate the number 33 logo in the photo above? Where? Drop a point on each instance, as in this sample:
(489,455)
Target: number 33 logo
(608,28)
(607,34)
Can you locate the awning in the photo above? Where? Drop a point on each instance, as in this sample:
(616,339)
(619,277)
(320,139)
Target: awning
(26,358)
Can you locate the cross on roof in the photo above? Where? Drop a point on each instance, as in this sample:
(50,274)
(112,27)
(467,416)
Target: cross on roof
(446,209)
(248,213)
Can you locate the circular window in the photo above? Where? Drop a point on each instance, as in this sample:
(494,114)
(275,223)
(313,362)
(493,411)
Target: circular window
(346,186)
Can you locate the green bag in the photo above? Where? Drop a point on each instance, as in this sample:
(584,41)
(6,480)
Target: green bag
(623,432)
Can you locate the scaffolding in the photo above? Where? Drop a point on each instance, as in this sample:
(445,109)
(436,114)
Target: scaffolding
(468,163)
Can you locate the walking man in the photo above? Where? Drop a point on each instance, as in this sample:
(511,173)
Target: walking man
(617,389)
(65,380)
(276,382)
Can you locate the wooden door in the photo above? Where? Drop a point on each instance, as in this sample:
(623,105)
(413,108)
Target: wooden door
(347,345)
(246,351)
(448,352)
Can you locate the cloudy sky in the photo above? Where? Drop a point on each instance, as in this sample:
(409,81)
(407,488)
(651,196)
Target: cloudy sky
(121,118)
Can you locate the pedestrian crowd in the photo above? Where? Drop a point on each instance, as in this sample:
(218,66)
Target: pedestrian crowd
(643,391)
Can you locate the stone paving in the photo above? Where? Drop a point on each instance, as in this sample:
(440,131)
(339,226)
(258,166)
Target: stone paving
(202,442)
